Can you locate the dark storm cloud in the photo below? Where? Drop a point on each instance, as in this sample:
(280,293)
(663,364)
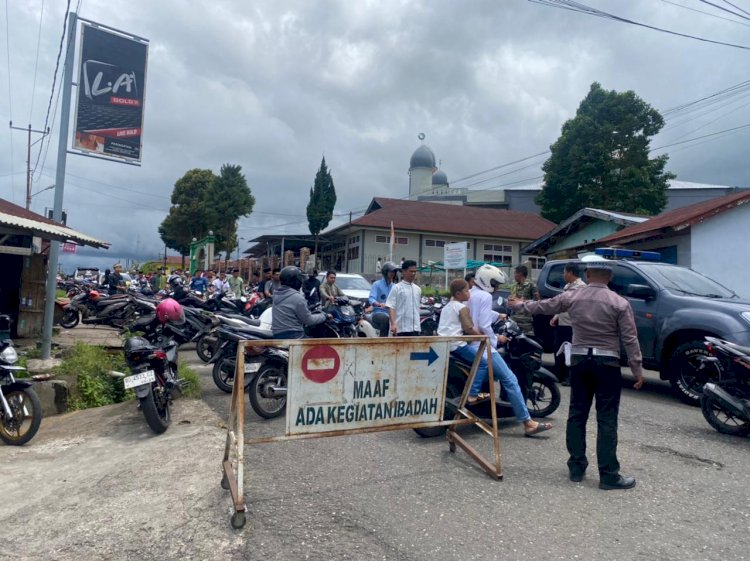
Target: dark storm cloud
(274,86)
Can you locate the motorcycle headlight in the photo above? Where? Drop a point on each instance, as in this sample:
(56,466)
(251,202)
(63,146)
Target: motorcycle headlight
(746,316)
(9,355)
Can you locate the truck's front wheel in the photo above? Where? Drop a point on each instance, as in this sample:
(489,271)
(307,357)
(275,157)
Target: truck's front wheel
(685,372)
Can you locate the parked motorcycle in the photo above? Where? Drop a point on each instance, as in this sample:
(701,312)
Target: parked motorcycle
(91,308)
(524,357)
(20,408)
(153,367)
(725,403)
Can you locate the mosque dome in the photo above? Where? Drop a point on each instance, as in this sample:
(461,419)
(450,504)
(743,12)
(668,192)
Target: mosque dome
(439,178)
(422,157)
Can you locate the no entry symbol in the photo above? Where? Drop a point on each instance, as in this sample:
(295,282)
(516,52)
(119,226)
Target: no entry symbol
(321,364)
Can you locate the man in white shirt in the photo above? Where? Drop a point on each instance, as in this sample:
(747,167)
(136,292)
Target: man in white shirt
(403,303)
(487,278)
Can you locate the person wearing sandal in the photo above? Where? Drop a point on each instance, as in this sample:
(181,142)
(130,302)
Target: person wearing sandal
(456,319)
(601,320)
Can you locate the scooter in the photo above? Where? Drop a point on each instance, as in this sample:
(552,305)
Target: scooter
(20,408)
(524,357)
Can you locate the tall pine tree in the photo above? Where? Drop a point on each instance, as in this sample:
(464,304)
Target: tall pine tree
(322,202)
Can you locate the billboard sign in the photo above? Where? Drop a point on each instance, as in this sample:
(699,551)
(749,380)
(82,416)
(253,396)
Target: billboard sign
(109,112)
(335,386)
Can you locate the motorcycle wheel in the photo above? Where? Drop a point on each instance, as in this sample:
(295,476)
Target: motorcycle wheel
(26,417)
(721,419)
(156,410)
(69,319)
(451,392)
(206,347)
(223,374)
(686,379)
(543,398)
(264,405)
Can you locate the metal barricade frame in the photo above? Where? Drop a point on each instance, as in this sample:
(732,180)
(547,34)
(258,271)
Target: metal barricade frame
(234,448)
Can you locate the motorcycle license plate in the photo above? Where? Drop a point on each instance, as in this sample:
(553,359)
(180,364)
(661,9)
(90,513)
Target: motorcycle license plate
(139,379)
(251,367)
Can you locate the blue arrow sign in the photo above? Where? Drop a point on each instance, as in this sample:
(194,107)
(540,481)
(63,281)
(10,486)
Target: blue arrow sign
(430,356)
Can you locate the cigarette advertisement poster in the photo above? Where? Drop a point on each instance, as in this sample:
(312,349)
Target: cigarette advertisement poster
(111,85)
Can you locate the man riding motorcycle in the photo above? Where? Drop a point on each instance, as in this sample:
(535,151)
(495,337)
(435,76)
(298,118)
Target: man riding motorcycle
(379,294)
(290,311)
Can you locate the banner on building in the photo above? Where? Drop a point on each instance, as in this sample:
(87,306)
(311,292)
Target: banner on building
(111,85)
(69,247)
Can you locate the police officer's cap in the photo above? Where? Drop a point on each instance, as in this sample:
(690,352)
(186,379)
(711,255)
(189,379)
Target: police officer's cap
(596,262)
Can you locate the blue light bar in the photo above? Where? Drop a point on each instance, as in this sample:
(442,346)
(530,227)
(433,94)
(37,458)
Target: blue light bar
(619,253)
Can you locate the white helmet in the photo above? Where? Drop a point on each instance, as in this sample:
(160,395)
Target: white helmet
(488,277)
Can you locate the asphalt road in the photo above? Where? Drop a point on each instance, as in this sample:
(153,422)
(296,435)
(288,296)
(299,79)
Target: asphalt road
(394,495)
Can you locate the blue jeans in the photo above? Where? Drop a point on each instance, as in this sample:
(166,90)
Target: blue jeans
(502,373)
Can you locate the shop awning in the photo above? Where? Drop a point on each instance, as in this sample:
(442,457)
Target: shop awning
(17,220)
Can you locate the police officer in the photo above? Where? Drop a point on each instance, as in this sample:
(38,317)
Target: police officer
(601,319)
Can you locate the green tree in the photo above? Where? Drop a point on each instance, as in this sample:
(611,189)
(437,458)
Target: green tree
(322,202)
(228,199)
(601,159)
(203,202)
(187,218)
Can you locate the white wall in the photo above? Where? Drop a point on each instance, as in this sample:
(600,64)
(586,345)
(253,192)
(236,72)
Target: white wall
(721,248)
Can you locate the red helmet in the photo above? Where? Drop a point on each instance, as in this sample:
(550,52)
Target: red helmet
(94,294)
(170,311)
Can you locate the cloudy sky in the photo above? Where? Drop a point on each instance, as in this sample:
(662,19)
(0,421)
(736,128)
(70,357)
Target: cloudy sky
(275,85)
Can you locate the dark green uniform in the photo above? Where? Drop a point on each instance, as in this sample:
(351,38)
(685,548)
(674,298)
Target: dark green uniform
(528,291)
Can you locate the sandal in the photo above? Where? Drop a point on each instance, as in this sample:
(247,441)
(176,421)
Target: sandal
(474,399)
(540,427)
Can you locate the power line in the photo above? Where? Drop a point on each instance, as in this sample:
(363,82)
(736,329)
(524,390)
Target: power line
(581,8)
(733,129)
(706,13)
(36,61)
(500,167)
(737,7)
(724,9)
(54,76)
(10,95)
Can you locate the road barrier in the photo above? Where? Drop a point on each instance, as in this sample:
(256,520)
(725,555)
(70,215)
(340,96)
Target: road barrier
(338,387)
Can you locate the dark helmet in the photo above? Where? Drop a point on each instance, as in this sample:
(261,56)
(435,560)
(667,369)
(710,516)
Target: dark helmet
(387,267)
(292,277)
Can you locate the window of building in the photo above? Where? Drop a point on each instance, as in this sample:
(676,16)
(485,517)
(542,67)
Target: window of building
(434,243)
(536,262)
(387,239)
(498,253)
(353,253)
(354,239)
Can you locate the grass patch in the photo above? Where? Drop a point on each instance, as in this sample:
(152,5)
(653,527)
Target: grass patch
(191,381)
(88,369)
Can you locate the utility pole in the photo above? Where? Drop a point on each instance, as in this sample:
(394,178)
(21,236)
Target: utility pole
(29,144)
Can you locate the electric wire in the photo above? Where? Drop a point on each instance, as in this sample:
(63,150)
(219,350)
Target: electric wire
(733,129)
(706,13)
(36,61)
(736,7)
(581,8)
(54,77)
(10,97)
(724,9)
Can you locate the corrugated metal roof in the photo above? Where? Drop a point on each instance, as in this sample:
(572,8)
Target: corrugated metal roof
(18,218)
(679,218)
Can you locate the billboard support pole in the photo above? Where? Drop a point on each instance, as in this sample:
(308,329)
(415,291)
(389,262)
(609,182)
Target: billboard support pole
(62,145)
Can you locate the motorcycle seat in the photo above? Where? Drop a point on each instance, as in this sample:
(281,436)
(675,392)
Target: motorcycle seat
(425,312)
(256,332)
